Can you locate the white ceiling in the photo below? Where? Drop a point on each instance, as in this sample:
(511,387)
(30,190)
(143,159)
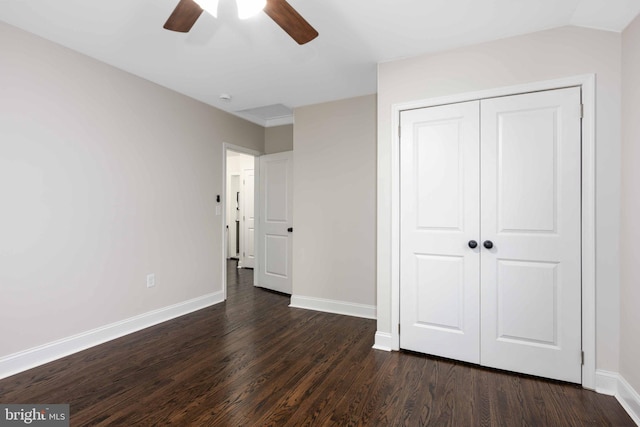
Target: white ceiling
(261,67)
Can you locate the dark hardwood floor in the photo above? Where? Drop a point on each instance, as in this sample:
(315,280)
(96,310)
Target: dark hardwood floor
(253,361)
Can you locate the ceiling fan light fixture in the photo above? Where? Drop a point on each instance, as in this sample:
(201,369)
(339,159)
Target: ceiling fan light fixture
(211,6)
(249,8)
(187,12)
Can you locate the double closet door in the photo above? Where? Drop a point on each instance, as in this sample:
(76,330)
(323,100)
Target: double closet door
(490,232)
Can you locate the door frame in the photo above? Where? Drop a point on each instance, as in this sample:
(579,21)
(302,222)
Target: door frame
(256,157)
(587,82)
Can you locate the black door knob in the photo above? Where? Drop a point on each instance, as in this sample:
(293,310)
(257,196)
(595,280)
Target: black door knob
(473,244)
(290,229)
(488,244)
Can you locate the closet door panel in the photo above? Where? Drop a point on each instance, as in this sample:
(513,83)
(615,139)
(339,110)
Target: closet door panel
(439,288)
(530,211)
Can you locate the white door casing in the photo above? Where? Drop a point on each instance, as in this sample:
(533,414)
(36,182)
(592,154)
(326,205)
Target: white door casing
(231,168)
(275,219)
(530,210)
(439,214)
(529,284)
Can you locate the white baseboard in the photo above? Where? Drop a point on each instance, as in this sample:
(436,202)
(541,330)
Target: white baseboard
(629,399)
(27,359)
(332,306)
(383,341)
(607,382)
(613,384)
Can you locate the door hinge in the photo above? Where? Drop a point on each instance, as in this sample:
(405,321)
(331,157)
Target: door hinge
(581,111)
(399,132)
(582,357)
(398,327)
(244,255)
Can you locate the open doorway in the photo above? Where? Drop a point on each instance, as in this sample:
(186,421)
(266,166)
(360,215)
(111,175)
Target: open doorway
(240,209)
(240,170)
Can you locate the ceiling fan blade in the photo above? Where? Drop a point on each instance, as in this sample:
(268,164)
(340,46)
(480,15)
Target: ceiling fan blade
(184,16)
(291,21)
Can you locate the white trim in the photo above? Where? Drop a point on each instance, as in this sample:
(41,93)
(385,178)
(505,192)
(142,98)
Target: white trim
(587,83)
(256,154)
(266,123)
(614,384)
(27,359)
(629,399)
(332,306)
(383,341)
(279,121)
(606,382)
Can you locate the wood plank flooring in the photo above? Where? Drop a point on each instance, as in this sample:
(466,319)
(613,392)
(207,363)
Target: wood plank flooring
(253,361)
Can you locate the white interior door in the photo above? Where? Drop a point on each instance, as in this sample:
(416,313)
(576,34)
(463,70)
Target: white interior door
(514,301)
(531,277)
(439,293)
(248,219)
(276,220)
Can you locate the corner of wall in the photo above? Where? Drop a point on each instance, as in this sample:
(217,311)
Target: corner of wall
(613,384)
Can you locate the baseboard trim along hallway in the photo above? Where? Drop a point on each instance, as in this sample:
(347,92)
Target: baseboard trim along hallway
(27,359)
(332,306)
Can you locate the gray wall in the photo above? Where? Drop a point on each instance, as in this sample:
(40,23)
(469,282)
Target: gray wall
(104,178)
(334,201)
(278,139)
(546,55)
(630,209)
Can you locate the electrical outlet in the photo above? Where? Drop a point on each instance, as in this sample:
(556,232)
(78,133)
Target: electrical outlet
(151,280)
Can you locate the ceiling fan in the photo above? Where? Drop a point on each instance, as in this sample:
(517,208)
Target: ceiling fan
(187,13)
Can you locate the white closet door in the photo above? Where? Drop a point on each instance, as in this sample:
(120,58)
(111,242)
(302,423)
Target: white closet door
(439,215)
(530,211)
